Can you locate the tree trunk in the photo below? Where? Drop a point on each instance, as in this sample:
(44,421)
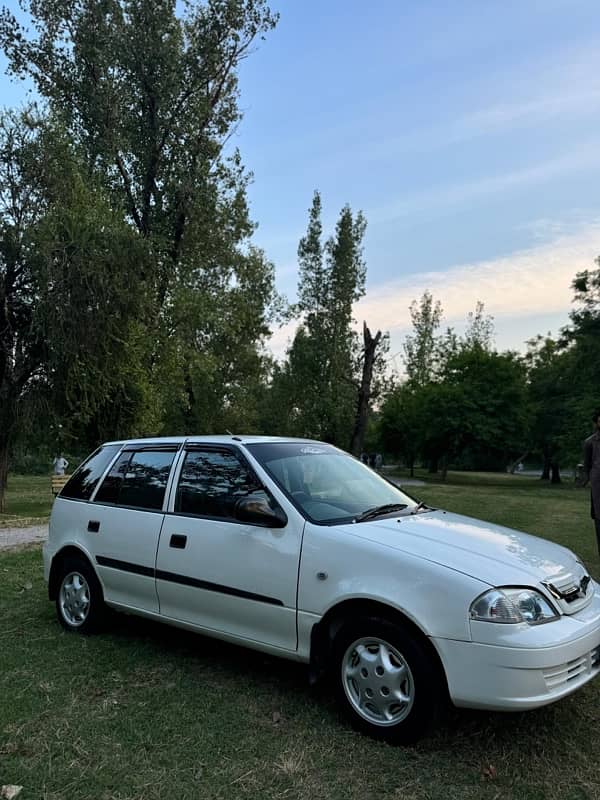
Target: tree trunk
(444,467)
(516,463)
(364,391)
(546,469)
(412,468)
(555,472)
(433,465)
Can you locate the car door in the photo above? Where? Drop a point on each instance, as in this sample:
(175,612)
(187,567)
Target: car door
(217,572)
(126,515)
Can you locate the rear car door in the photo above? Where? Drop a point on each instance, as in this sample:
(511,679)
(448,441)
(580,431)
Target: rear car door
(125,519)
(217,572)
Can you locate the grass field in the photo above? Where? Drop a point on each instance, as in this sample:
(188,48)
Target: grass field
(28,500)
(150,712)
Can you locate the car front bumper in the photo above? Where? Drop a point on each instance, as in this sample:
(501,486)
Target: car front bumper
(531,667)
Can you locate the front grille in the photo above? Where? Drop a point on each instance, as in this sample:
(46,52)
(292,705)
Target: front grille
(563,674)
(571,592)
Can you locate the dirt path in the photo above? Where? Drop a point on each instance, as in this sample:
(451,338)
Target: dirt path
(14,537)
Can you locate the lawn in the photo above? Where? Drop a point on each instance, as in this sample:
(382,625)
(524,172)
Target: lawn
(28,500)
(147,711)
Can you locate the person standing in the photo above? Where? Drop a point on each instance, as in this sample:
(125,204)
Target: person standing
(59,465)
(591,471)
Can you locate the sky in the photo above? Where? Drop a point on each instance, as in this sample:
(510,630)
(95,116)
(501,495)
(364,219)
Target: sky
(468,134)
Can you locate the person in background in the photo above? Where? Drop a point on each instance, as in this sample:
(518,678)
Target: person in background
(59,465)
(591,471)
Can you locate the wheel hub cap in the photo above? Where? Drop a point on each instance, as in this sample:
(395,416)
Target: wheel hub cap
(74,599)
(377,681)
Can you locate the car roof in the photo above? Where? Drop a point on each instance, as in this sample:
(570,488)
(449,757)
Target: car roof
(214,439)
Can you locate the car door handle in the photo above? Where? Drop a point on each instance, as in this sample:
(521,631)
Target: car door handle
(93,526)
(178,541)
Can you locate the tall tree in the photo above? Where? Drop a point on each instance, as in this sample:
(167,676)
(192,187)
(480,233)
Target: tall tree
(70,285)
(421,347)
(148,91)
(321,369)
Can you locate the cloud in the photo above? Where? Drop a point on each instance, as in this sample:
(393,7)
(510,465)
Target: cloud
(535,282)
(526,283)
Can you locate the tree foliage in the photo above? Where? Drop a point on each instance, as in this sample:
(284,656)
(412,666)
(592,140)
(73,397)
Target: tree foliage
(318,381)
(146,91)
(70,286)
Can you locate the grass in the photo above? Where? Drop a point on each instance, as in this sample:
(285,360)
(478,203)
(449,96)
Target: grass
(28,500)
(147,711)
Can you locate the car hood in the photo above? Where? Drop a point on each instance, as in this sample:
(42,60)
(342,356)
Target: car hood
(491,553)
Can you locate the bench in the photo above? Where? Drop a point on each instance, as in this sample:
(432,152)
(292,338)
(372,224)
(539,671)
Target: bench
(58,481)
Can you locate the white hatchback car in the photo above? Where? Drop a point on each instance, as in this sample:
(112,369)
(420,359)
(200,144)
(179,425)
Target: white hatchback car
(295,548)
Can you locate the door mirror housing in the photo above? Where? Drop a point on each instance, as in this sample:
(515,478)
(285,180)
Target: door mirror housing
(257,511)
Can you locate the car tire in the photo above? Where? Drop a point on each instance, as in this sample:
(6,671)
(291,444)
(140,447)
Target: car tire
(79,599)
(385,680)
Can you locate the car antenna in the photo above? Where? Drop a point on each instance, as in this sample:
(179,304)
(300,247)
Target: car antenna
(237,438)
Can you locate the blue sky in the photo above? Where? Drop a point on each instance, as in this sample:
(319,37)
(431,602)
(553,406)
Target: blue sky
(467,132)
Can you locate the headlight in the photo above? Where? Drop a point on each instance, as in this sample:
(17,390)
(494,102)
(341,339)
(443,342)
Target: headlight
(512,606)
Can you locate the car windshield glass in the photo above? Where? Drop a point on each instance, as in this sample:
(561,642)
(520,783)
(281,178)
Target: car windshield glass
(327,484)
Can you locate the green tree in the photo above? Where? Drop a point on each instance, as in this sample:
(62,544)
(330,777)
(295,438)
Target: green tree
(70,286)
(320,375)
(421,348)
(147,91)
(401,424)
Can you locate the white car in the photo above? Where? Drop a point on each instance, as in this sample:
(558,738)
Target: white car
(295,548)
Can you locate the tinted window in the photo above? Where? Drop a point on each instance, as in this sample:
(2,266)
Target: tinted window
(83,482)
(211,482)
(109,490)
(138,479)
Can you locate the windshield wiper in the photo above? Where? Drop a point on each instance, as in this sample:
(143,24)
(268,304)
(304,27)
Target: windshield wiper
(371,513)
(421,507)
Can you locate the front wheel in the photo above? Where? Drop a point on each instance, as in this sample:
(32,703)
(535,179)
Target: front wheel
(385,680)
(79,601)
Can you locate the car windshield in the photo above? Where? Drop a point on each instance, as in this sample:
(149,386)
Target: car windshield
(328,485)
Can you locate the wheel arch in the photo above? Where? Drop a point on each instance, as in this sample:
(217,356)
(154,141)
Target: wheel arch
(69,551)
(323,633)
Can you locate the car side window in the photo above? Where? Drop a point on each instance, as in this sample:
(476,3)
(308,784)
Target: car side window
(211,482)
(137,479)
(84,480)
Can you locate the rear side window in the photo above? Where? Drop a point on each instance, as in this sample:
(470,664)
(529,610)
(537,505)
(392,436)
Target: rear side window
(138,479)
(84,480)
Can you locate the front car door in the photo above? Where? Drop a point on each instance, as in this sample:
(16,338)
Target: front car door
(217,572)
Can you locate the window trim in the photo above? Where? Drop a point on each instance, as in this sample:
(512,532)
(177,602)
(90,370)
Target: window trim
(219,448)
(174,448)
(102,475)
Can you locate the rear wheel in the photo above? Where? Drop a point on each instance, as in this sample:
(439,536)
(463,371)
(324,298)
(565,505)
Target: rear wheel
(79,600)
(385,680)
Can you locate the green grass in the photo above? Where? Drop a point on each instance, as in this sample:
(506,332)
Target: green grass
(28,499)
(147,711)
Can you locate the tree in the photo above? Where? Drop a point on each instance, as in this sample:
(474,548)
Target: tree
(421,349)
(461,402)
(480,329)
(321,371)
(494,421)
(402,423)
(70,285)
(369,355)
(147,91)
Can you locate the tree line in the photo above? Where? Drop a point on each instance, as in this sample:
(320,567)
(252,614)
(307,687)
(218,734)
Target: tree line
(134,302)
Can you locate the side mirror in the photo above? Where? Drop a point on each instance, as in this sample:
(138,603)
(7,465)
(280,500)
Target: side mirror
(257,511)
